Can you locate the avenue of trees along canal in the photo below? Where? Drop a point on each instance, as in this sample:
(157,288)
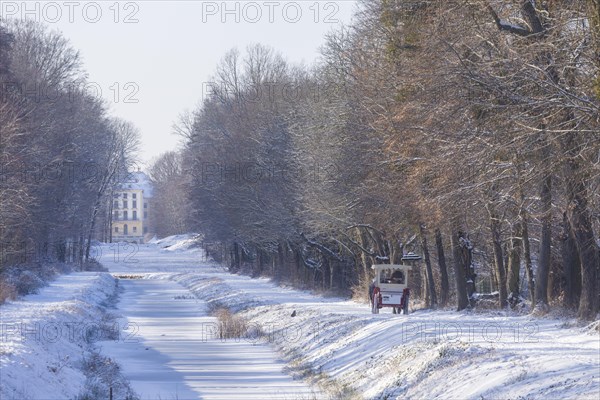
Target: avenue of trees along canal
(467,132)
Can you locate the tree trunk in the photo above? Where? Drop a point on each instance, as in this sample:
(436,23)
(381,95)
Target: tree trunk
(498,256)
(81,250)
(280,259)
(527,256)
(467,251)
(431,295)
(462,297)
(544,259)
(424,287)
(494,279)
(571,265)
(299,266)
(236,256)
(445,287)
(555,284)
(363,256)
(331,274)
(61,250)
(514,264)
(259,262)
(110,216)
(396,251)
(324,267)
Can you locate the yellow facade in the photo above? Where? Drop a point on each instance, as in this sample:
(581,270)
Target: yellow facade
(129,215)
(130,209)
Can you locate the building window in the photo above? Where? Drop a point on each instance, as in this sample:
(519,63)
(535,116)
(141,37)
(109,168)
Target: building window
(134,229)
(116,229)
(134,204)
(125,215)
(134,215)
(115,204)
(145,214)
(125,230)
(145,205)
(134,195)
(124,195)
(145,229)
(124,203)
(116,216)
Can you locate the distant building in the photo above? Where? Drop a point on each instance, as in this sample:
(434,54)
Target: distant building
(131,205)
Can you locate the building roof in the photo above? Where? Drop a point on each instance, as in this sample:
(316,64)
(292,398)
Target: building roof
(140,181)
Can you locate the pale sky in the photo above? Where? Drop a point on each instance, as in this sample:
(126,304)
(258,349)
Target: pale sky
(159,53)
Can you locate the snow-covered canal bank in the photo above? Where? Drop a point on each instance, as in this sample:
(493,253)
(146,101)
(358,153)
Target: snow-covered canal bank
(170,350)
(46,336)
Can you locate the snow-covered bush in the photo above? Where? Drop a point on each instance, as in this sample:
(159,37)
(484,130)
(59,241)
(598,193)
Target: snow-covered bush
(232,325)
(27,282)
(103,375)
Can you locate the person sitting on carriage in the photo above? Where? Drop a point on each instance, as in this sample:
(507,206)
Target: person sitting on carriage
(397,277)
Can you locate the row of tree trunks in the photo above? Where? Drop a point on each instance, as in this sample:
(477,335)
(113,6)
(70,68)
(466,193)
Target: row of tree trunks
(581,226)
(330,275)
(287,264)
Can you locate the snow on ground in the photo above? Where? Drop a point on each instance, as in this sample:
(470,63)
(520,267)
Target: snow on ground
(175,354)
(331,341)
(185,242)
(46,335)
(428,354)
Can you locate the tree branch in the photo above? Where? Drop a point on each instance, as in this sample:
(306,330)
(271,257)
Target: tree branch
(322,248)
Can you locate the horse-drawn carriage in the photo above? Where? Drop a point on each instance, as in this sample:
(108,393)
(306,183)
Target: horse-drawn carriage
(390,288)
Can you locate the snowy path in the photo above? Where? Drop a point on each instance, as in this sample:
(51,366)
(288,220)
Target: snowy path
(174,355)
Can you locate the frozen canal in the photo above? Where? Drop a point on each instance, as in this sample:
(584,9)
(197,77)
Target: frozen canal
(170,351)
